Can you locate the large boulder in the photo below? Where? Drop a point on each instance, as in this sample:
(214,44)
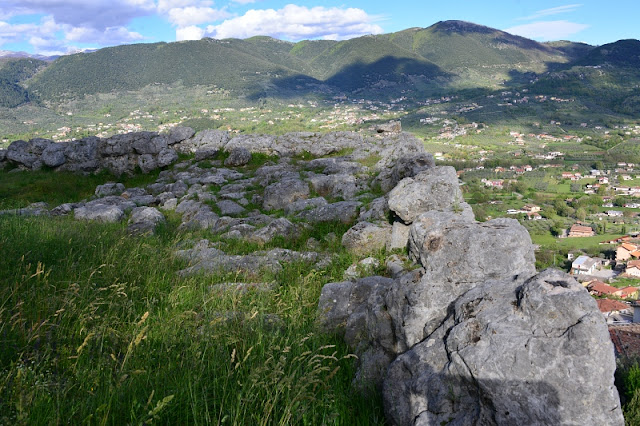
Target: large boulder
(280,194)
(53,155)
(82,155)
(339,185)
(144,220)
(510,353)
(343,211)
(238,156)
(456,255)
(206,140)
(264,144)
(108,213)
(179,134)
(166,156)
(150,144)
(20,152)
(436,188)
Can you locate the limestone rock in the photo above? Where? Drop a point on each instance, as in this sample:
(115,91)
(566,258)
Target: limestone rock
(378,211)
(20,152)
(34,209)
(206,140)
(279,227)
(410,166)
(399,236)
(365,237)
(362,268)
(390,127)
(53,155)
(510,353)
(456,256)
(433,189)
(343,211)
(238,157)
(82,155)
(147,163)
(280,194)
(145,220)
(166,156)
(230,208)
(109,188)
(339,185)
(100,212)
(300,205)
(264,144)
(335,165)
(179,134)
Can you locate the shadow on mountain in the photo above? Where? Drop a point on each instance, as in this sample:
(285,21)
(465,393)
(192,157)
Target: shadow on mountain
(383,74)
(453,399)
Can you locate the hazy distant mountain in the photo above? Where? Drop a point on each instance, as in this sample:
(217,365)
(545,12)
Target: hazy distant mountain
(8,55)
(445,56)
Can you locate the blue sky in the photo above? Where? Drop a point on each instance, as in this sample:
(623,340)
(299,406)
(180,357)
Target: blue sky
(57,27)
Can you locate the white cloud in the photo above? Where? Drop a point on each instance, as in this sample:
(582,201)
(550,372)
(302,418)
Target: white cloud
(49,46)
(42,33)
(298,22)
(192,15)
(244,1)
(102,22)
(548,30)
(552,11)
(189,33)
(111,35)
(164,6)
(99,14)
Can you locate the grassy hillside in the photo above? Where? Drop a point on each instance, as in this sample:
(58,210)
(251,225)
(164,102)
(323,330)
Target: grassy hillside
(607,76)
(455,45)
(622,53)
(472,55)
(97,327)
(205,62)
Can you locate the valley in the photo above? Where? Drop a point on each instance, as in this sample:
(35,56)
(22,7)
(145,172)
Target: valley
(547,134)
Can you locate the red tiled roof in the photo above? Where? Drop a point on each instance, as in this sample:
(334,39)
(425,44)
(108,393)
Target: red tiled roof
(627,291)
(602,288)
(626,339)
(629,247)
(633,264)
(609,305)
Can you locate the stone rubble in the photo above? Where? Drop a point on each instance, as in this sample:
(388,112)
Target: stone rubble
(463,332)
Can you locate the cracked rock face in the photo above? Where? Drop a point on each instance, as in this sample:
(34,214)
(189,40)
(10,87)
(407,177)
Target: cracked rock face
(513,353)
(473,336)
(433,189)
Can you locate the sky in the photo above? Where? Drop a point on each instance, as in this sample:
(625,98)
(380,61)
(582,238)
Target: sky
(54,27)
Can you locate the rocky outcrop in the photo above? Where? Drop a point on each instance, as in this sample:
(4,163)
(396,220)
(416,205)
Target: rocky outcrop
(510,352)
(119,154)
(472,335)
(461,331)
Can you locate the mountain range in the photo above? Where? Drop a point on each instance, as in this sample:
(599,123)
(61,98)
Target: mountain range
(444,58)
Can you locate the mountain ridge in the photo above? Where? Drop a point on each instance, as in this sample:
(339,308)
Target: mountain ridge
(446,56)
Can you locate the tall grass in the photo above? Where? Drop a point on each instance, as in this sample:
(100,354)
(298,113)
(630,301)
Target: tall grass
(20,188)
(97,328)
